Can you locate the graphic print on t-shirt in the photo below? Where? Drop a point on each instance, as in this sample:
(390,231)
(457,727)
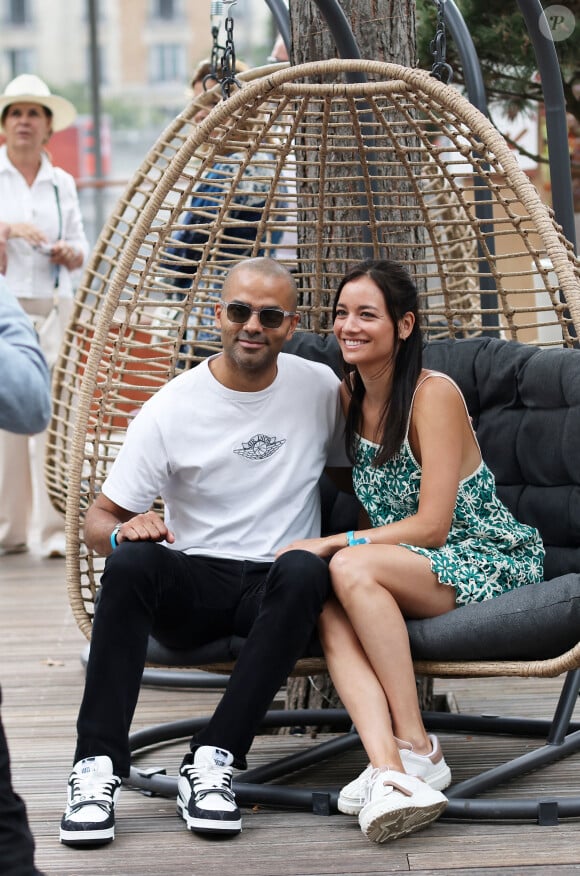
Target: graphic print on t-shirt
(260,447)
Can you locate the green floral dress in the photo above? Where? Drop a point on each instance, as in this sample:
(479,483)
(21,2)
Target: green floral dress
(487,551)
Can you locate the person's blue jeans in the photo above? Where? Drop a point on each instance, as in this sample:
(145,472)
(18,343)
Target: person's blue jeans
(185,601)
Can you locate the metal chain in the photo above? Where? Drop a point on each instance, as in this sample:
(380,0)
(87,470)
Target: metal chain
(440,70)
(215,55)
(223,58)
(229,60)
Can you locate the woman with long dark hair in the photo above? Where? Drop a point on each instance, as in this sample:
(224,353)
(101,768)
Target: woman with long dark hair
(438,536)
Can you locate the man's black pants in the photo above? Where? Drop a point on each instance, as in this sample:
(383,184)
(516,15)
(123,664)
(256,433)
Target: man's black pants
(184,601)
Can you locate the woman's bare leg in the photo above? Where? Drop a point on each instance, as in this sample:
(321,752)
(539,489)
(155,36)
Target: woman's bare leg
(358,687)
(376,585)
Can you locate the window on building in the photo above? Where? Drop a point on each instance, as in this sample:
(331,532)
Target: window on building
(167,63)
(19,61)
(167,10)
(18,12)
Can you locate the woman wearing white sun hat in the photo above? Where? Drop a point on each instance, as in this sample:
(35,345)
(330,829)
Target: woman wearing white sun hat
(42,241)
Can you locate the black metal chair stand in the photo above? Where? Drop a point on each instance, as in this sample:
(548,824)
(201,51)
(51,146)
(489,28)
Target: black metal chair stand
(561,735)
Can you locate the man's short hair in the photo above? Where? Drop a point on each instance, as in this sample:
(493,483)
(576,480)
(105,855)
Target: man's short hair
(268,267)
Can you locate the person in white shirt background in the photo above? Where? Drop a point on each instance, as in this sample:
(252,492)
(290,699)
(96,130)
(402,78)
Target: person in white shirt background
(42,244)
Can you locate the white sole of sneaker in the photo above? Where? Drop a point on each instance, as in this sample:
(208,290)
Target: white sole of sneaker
(347,806)
(438,781)
(87,837)
(381,827)
(208,825)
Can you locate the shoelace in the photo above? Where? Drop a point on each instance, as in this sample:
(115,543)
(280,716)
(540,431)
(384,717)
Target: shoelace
(373,772)
(87,788)
(365,781)
(210,780)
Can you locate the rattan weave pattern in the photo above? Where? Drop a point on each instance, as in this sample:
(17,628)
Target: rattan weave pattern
(397,166)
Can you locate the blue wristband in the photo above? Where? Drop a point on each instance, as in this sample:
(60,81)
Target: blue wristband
(114,542)
(351,540)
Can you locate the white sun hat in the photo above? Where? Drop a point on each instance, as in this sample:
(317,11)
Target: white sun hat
(31,89)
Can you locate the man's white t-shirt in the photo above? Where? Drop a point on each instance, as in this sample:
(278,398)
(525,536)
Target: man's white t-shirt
(238,471)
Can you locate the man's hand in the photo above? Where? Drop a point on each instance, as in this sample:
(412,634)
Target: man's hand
(104,515)
(145,527)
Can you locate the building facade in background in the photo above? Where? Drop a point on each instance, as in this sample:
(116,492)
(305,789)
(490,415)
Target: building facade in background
(147,48)
(147,52)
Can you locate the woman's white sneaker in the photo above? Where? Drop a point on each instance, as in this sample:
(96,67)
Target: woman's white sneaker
(352,797)
(398,804)
(431,767)
(89,818)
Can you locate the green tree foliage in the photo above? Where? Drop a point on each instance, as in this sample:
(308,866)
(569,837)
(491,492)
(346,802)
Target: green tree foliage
(505,52)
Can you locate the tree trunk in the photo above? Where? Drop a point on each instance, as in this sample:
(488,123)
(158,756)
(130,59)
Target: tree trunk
(384,30)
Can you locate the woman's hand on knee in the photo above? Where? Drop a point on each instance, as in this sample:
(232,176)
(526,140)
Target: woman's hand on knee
(321,547)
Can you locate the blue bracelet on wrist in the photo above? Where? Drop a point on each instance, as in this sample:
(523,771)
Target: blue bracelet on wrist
(114,542)
(351,540)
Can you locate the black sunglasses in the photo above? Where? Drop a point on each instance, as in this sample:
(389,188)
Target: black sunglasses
(270,317)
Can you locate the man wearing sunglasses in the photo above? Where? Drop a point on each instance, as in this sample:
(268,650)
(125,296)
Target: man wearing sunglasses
(235,447)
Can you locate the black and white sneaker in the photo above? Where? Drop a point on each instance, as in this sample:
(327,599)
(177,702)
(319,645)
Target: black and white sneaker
(205,799)
(89,818)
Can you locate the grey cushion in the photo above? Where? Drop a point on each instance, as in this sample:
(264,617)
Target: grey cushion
(223,650)
(535,622)
(317,348)
(525,406)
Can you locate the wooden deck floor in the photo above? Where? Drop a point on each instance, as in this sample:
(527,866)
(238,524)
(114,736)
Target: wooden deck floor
(42,680)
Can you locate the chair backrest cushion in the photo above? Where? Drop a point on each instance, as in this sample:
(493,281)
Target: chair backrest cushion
(525,406)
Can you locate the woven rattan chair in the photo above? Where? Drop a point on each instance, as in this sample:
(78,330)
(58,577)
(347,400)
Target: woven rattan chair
(399,165)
